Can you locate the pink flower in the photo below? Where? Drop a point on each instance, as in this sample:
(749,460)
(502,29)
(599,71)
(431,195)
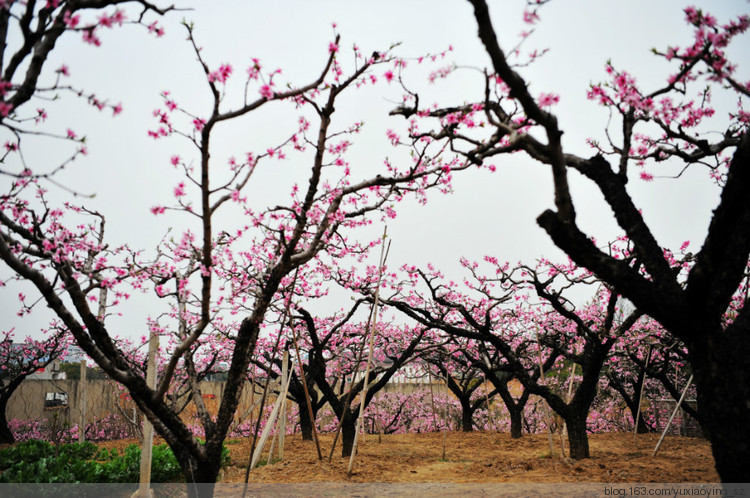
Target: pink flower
(333,48)
(179,190)
(71,134)
(63,70)
(266,91)
(158,210)
(175,160)
(388,76)
(646,177)
(117,109)
(5,108)
(548,99)
(221,75)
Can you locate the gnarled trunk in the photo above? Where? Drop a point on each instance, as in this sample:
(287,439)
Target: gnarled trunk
(721,366)
(6,436)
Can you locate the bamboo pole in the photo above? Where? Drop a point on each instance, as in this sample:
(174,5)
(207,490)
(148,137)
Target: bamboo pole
(640,395)
(373,325)
(432,401)
(567,401)
(269,424)
(349,393)
(82,403)
(148,429)
(308,401)
(543,380)
(268,380)
(677,407)
(282,418)
(487,401)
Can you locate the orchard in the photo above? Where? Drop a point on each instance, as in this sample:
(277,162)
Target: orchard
(254,219)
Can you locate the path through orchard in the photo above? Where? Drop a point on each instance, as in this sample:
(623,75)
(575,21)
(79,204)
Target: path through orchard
(481,457)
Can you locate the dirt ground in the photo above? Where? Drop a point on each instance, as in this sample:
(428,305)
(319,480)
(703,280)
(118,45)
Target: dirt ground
(480,457)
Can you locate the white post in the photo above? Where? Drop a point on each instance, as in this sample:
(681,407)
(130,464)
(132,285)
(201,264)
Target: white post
(677,407)
(82,403)
(147,444)
(269,424)
(282,417)
(373,324)
(640,396)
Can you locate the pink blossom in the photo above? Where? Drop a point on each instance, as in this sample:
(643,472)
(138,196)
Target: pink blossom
(388,76)
(71,134)
(158,210)
(179,190)
(117,109)
(266,91)
(221,75)
(5,109)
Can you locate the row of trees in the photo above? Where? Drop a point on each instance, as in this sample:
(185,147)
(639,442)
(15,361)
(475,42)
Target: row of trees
(239,269)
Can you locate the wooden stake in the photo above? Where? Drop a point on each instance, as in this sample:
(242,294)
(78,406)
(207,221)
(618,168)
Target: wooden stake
(487,401)
(677,407)
(383,255)
(432,402)
(282,418)
(564,432)
(268,381)
(269,424)
(82,403)
(148,430)
(308,401)
(445,440)
(542,379)
(640,396)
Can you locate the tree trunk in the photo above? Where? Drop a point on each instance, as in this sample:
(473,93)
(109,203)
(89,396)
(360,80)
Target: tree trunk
(516,424)
(467,415)
(348,429)
(305,424)
(578,439)
(6,435)
(721,365)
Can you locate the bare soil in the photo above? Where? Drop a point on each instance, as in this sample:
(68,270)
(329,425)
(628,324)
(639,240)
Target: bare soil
(479,457)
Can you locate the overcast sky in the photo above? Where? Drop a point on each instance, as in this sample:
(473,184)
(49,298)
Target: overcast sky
(488,213)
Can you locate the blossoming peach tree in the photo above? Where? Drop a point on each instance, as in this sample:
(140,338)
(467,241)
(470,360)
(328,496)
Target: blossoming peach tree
(217,281)
(706,306)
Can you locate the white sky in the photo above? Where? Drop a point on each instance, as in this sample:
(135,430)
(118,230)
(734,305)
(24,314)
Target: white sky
(487,214)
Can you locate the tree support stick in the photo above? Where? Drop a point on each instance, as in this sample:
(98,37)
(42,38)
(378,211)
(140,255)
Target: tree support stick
(373,325)
(567,401)
(541,379)
(269,424)
(268,380)
(308,401)
(148,429)
(640,395)
(677,407)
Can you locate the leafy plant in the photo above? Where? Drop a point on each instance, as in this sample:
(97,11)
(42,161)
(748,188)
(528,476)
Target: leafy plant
(41,462)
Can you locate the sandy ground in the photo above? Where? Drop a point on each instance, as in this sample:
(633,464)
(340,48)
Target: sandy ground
(479,458)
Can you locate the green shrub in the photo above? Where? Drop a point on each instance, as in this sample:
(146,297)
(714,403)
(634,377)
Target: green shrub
(40,462)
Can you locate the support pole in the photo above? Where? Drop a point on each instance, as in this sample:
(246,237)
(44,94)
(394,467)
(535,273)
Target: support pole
(567,401)
(269,424)
(148,430)
(677,407)
(82,403)
(373,325)
(282,417)
(640,395)
(542,379)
